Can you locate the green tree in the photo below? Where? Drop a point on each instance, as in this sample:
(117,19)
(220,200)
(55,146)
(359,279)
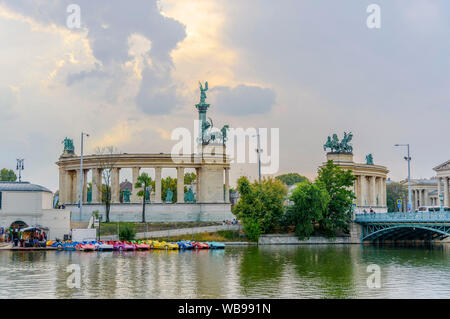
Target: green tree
(260,205)
(189,178)
(7,175)
(167,183)
(339,184)
(310,204)
(142,183)
(127,233)
(395,191)
(291,178)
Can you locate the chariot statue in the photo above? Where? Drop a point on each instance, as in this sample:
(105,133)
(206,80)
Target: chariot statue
(337,146)
(369,159)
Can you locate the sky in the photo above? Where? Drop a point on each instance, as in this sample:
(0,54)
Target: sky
(129,75)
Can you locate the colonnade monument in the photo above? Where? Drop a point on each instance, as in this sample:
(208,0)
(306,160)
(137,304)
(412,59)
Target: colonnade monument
(208,202)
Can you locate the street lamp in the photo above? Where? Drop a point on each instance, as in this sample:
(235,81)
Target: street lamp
(80,195)
(258,150)
(408,158)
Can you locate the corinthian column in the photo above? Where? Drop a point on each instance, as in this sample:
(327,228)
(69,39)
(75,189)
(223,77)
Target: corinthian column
(180,184)
(96,185)
(373,191)
(135,173)
(157,184)
(115,188)
(446,199)
(62,185)
(227,185)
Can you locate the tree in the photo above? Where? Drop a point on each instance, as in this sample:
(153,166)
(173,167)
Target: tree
(260,205)
(310,204)
(291,178)
(143,182)
(395,191)
(7,175)
(339,185)
(189,178)
(169,183)
(107,163)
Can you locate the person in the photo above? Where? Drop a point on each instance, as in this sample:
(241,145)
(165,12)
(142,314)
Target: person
(70,234)
(372,211)
(364,211)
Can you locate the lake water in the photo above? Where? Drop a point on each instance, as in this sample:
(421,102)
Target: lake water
(322,271)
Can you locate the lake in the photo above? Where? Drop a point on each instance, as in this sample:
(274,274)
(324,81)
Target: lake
(313,271)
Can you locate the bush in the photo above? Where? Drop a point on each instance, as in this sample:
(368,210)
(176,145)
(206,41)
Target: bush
(127,233)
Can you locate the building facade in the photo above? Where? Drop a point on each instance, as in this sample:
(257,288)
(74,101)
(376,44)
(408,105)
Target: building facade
(212,186)
(22,203)
(443,176)
(370,184)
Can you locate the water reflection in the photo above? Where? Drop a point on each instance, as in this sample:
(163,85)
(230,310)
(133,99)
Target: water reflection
(322,271)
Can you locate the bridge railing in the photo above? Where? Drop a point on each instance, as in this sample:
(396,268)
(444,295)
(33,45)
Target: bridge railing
(432,217)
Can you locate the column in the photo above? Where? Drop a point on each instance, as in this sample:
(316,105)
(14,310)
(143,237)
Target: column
(62,185)
(115,188)
(427,197)
(364,201)
(356,189)
(227,185)
(446,202)
(180,184)
(197,185)
(384,192)
(97,185)
(135,174)
(157,184)
(68,189)
(85,172)
(439,181)
(373,199)
(75,186)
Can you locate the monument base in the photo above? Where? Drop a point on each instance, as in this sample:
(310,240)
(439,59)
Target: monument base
(338,157)
(156,212)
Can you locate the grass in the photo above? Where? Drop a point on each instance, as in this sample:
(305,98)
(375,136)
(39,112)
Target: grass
(220,235)
(112,227)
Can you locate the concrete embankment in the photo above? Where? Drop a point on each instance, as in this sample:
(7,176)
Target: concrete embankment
(285,239)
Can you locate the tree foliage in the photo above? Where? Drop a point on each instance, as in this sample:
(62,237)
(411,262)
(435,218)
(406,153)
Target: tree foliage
(7,175)
(339,184)
(395,191)
(291,178)
(310,205)
(260,205)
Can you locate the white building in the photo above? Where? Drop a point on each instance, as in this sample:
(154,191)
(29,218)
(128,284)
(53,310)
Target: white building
(25,204)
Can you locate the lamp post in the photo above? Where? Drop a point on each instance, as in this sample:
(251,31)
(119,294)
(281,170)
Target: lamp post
(80,196)
(258,150)
(408,158)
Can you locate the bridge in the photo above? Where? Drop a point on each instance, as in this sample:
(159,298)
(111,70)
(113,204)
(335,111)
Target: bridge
(404,226)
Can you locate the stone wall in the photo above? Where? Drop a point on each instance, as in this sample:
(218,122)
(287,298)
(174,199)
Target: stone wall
(155,212)
(285,239)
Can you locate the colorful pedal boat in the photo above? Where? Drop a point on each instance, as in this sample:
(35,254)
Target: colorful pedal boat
(118,245)
(215,245)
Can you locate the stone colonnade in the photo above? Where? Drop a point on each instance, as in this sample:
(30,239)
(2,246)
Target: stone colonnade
(211,178)
(370,190)
(445,191)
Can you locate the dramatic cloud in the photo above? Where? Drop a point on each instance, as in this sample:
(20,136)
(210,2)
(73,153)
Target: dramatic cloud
(243,100)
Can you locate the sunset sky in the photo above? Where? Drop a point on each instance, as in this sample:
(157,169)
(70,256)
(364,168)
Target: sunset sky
(311,68)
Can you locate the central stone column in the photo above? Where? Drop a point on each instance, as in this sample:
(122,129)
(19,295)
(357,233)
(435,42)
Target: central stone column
(227,185)
(446,199)
(62,191)
(373,191)
(75,186)
(180,184)
(135,174)
(157,184)
(364,201)
(115,188)
(85,171)
(96,185)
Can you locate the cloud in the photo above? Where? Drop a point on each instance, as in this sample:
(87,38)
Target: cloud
(243,99)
